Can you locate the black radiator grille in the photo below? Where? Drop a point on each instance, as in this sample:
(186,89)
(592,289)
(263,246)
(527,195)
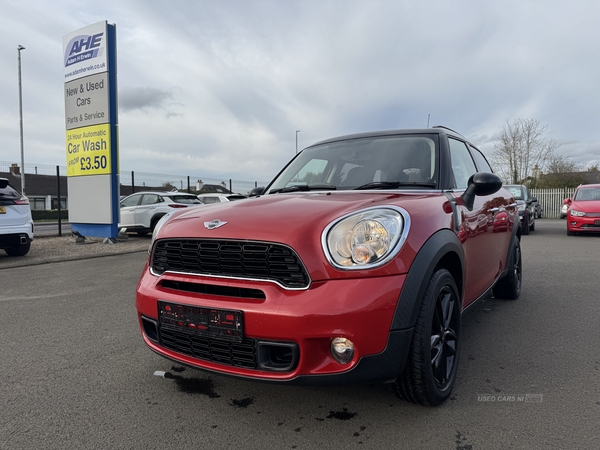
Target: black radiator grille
(255,260)
(242,354)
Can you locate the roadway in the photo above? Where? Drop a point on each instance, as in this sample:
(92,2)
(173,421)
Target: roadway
(75,373)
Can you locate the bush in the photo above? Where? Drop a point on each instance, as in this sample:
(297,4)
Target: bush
(40,214)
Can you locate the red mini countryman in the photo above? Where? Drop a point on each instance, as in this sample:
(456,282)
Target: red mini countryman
(353,266)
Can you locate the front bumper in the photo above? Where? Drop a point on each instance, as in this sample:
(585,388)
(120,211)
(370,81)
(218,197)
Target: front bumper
(583,224)
(300,323)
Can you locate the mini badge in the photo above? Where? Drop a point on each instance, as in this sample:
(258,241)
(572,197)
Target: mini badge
(214,224)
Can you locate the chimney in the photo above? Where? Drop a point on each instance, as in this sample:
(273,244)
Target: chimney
(14,169)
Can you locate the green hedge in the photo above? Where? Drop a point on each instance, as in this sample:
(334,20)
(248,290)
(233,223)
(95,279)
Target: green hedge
(52,214)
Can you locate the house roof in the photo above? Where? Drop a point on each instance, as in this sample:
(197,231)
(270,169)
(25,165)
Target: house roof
(43,185)
(37,185)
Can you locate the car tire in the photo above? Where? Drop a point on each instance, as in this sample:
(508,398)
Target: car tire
(524,227)
(570,233)
(430,373)
(509,287)
(532,226)
(18,250)
(154,221)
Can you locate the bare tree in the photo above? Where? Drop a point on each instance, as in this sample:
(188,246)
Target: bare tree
(562,164)
(168,186)
(520,147)
(561,172)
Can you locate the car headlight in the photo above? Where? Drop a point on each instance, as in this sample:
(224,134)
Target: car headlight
(157,228)
(367,238)
(576,213)
(522,207)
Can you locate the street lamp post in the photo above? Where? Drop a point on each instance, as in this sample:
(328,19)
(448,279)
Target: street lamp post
(297,131)
(19,48)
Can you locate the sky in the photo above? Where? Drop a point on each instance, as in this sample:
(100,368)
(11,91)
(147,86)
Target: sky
(217,89)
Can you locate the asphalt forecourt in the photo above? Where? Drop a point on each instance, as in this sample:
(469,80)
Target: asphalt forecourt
(50,249)
(76,374)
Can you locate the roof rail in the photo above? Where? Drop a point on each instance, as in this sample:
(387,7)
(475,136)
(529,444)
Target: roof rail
(447,128)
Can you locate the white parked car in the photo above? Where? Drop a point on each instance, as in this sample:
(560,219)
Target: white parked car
(564,208)
(220,198)
(140,212)
(16,224)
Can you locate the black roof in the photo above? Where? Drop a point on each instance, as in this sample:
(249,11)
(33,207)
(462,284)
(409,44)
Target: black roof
(438,129)
(41,185)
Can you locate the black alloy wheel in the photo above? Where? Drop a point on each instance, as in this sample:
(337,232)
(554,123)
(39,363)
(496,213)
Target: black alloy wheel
(431,369)
(444,337)
(509,287)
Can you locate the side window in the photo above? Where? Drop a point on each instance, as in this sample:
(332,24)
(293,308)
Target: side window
(208,199)
(480,160)
(131,201)
(462,163)
(150,199)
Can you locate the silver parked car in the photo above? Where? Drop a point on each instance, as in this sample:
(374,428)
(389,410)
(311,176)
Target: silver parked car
(16,224)
(140,212)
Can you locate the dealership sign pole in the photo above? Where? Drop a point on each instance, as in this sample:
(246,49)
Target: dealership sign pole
(90,69)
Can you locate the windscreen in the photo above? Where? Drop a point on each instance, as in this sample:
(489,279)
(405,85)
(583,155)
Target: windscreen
(406,159)
(584,194)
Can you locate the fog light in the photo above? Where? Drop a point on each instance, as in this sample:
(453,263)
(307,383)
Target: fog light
(342,350)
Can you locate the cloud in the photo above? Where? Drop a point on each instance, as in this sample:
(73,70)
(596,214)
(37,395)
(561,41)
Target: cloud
(222,86)
(144,98)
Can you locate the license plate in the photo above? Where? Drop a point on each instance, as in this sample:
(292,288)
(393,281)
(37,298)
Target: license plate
(2,209)
(216,323)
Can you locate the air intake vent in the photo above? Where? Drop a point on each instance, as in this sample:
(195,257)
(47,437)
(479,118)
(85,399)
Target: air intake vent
(235,259)
(238,354)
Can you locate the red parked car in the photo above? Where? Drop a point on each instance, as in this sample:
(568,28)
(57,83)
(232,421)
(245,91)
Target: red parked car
(353,266)
(583,214)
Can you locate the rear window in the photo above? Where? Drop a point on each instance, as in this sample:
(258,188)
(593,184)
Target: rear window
(186,199)
(515,191)
(8,193)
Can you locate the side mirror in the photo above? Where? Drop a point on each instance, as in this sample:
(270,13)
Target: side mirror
(255,192)
(534,199)
(481,183)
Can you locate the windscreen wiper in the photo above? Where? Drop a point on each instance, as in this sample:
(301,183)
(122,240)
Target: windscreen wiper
(306,187)
(393,185)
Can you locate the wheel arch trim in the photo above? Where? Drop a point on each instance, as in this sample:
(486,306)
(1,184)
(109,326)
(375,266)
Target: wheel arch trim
(443,245)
